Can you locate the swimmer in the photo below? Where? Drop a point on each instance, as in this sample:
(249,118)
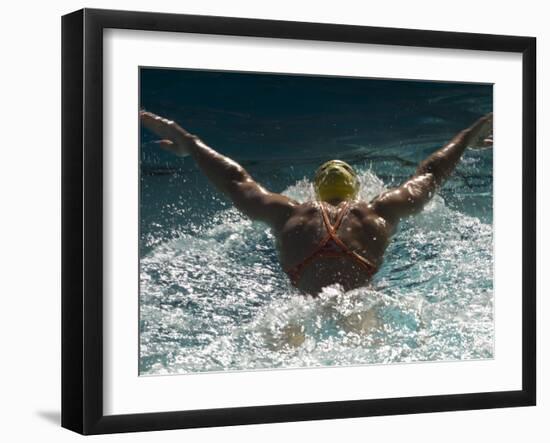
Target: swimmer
(337,238)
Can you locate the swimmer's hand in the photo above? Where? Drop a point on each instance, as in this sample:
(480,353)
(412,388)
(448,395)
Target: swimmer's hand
(482,132)
(175,139)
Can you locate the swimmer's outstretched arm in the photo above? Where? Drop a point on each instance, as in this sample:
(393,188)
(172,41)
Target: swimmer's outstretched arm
(412,196)
(225,174)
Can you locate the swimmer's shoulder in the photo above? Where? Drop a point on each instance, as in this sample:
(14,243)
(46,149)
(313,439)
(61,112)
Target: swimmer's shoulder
(304,216)
(307,208)
(304,213)
(365,212)
(361,208)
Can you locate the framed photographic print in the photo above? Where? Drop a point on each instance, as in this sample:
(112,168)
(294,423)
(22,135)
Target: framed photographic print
(269,221)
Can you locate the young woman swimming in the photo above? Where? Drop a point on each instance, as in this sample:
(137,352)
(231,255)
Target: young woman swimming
(337,238)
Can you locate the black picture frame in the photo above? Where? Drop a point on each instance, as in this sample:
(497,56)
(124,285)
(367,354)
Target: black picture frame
(82,220)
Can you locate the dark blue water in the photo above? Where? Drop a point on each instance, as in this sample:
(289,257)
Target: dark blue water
(213,296)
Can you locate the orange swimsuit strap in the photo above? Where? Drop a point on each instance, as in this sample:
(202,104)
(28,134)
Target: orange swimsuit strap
(296,271)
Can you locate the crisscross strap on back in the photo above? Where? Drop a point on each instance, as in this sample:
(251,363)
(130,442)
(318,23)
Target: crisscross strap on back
(296,272)
(331,229)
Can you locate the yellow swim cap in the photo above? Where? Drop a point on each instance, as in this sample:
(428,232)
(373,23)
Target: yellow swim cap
(336,180)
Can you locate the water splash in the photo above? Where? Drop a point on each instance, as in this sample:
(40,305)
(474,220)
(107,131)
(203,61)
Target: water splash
(217,299)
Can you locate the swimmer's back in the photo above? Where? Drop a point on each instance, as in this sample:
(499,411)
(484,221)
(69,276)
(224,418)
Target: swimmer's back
(361,229)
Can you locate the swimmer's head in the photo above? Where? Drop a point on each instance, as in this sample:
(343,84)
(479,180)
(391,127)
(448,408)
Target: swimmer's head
(336,180)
